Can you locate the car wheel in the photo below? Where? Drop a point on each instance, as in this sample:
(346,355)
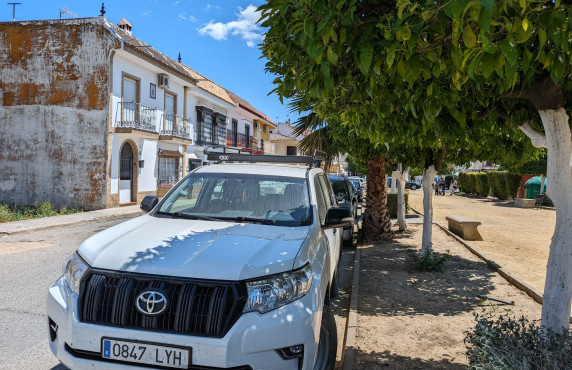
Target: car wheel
(413,187)
(328,345)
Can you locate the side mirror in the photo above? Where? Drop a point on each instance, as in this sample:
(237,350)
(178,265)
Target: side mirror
(149,202)
(338,217)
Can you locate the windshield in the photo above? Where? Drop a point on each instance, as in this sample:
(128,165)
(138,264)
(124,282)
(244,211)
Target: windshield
(264,199)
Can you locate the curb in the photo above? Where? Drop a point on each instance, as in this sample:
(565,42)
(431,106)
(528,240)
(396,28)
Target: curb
(528,289)
(351,323)
(24,226)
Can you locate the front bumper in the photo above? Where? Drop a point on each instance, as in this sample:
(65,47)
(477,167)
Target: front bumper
(252,341)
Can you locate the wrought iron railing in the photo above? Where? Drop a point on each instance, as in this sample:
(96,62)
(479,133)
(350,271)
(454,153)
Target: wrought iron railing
(136,116)
(176,126)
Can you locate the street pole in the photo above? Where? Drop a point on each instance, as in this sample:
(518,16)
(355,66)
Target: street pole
(14,10)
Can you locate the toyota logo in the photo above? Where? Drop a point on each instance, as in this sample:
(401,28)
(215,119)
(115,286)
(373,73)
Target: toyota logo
(151,302)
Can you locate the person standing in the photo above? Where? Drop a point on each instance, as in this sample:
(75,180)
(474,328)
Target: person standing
(452,186)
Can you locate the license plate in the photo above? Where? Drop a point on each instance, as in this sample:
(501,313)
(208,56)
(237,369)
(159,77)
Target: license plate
(145,353)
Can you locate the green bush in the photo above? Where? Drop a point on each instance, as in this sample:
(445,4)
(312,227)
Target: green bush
(506,343)
(392,204)
(513,182)
(468,184)
(431,261)
(482,182)
(497,182)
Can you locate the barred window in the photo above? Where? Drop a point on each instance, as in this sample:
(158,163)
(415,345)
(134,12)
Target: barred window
(168,170)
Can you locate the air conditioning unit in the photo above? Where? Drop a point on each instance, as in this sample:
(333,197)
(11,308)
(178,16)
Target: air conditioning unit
(163,81)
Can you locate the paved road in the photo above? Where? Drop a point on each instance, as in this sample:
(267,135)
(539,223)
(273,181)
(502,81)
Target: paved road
(31,262)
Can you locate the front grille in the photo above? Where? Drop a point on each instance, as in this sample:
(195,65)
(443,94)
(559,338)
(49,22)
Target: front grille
(195,307)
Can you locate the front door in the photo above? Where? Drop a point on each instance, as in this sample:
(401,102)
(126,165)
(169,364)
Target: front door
(126,174)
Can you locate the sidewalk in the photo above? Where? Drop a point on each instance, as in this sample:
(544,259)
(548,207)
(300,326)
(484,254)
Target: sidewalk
(9,228)
(407,319)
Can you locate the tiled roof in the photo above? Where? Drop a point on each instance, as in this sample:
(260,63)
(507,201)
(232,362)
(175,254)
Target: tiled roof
(247,106)
(280,137)
(201,81)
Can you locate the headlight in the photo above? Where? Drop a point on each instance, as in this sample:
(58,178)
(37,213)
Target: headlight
(273,292)
(74,270)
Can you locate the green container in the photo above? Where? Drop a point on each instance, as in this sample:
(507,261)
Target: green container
(532,187)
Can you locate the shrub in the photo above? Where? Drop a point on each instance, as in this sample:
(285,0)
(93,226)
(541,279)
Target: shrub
(497,182)
(392,204)
(513,182)
(39,209)
(482,182)
(469,184)
(431,261)
(506,343)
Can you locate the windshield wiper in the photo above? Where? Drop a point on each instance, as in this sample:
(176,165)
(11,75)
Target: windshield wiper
(189,216)
(249,219)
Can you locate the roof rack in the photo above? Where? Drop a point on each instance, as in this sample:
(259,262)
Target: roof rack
(221,154)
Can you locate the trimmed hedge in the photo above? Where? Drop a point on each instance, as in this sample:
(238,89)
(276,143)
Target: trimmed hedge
(482,181)
(448,180)
(497,181)
(513,181)
(392,204)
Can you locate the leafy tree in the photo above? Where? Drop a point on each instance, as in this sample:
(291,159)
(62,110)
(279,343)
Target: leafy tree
(441,75)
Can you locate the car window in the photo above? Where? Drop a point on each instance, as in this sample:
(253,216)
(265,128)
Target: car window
(341,191)
(268,199)
(327,191)
(322,209)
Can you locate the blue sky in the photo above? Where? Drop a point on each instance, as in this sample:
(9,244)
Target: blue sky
(217,38)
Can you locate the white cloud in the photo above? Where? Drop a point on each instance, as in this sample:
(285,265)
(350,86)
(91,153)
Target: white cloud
(244,27)
(184,17)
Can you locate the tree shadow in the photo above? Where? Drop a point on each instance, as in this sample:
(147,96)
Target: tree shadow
(390,286)
(388,360)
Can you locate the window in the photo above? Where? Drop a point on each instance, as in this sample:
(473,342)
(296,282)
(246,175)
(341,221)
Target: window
(234,132)
(322,209)
(168,170)
(291,150)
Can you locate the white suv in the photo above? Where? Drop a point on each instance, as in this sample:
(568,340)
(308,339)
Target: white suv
(234,268)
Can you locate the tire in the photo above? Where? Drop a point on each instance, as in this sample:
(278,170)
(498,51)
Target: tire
(350,241)
(328,344)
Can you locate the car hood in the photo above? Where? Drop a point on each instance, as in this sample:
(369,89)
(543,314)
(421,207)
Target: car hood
(195,248)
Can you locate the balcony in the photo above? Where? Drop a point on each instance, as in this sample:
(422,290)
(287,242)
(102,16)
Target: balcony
(135,116)
(238,140)
(175,127)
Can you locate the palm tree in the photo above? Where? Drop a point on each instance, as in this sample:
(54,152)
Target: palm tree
(334,139)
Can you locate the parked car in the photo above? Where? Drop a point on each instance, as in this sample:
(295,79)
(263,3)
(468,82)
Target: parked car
(234,268)
(358,190)
(357,178)
(408,184)
(343,190)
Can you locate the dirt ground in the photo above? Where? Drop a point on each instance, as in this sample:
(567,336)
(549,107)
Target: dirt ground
(517,239)
(417,320)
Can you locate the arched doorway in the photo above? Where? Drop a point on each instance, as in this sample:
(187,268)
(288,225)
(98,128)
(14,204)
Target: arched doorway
(126,174)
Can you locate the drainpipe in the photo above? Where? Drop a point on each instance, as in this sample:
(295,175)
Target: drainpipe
(185,90)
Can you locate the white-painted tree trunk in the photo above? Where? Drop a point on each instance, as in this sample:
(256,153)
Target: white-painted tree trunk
(393,181)
(558,284)
(400,176)
(542,177)
(427,238)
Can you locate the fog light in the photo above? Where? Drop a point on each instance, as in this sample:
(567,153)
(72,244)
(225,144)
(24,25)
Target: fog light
(291,352)
(53,329)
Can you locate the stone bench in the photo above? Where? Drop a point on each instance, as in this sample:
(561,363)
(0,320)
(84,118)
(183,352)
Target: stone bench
(524,203)
(464,227)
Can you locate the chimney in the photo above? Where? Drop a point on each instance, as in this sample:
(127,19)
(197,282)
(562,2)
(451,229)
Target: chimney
(125,25)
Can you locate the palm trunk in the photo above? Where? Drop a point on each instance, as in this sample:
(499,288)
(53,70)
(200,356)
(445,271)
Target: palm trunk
(376,223)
